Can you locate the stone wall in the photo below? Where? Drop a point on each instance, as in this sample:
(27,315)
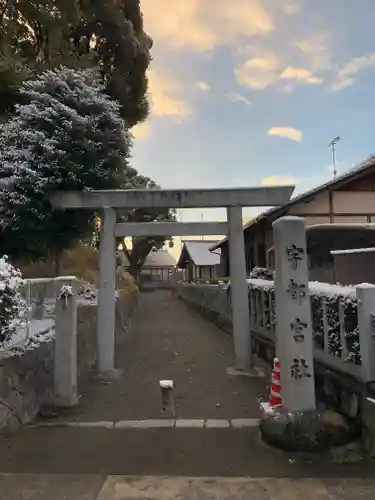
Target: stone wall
(26,382)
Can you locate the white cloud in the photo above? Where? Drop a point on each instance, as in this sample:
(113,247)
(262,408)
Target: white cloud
(205,25)
(141,130)
(278,180)
(286,133)
(259,72)
(291,6)
(303,62)
(271,69)
(202,86)
(166,96)
(302,75)
(315,48)
(237,97)
(349,72)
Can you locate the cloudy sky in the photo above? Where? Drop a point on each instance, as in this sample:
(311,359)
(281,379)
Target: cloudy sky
(250,92)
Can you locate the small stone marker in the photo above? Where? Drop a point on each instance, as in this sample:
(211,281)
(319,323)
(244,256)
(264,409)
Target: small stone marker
(167,399)
(294,345)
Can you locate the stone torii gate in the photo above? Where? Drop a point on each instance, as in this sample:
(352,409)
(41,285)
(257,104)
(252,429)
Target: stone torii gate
(232,199)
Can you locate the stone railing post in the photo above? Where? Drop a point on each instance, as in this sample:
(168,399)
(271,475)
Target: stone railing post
(65,376)
(366,326)
(294,343)
(38,309)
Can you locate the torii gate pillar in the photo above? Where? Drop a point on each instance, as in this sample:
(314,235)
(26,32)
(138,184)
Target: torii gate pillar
(239,290)
(107,298)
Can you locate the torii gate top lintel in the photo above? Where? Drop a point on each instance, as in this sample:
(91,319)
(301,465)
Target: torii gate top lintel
(265,196)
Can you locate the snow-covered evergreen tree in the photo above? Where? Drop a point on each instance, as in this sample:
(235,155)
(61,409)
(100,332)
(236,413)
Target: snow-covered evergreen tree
(69,136)
(12,306)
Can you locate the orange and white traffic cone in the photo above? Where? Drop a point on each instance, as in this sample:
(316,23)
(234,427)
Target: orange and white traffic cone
(275,397)
(275,393)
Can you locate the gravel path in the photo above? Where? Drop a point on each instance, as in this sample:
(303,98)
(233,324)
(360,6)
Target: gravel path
(167,340)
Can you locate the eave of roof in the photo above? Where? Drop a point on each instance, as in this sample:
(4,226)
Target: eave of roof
(342,226)
(277,211)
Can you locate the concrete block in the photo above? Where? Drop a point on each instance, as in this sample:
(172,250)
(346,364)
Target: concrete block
(190,423)
(240,423)
(104,424)
(217,424)
(145,424)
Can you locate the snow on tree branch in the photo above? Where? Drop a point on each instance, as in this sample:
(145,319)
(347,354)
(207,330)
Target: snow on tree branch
(12,307)
(67,136)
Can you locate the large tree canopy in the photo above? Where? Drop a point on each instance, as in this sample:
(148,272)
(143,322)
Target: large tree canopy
(39,34)
(69,136)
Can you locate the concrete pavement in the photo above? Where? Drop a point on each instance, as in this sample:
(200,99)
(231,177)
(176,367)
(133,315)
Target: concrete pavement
(96,487)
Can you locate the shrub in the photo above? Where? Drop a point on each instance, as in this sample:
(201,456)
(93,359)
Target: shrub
(263,273)
(12,306)
(82,262)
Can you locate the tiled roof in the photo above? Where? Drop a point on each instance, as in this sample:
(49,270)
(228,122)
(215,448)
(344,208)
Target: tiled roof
(199,252)
(155,259)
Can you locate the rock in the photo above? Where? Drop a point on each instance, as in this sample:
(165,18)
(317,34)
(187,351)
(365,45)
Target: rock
(335,429)
(9,422)
(47,413)
(349,453)
(368,425)
(368,442)
(289,431)
(333,419)
(306,431)
(349,403)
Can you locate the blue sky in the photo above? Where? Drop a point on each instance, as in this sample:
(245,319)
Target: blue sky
(250,92)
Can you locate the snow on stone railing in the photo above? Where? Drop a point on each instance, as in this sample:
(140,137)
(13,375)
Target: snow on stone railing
(334,316)
(335,321)
(39,296)
(32,326)
(65,292)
